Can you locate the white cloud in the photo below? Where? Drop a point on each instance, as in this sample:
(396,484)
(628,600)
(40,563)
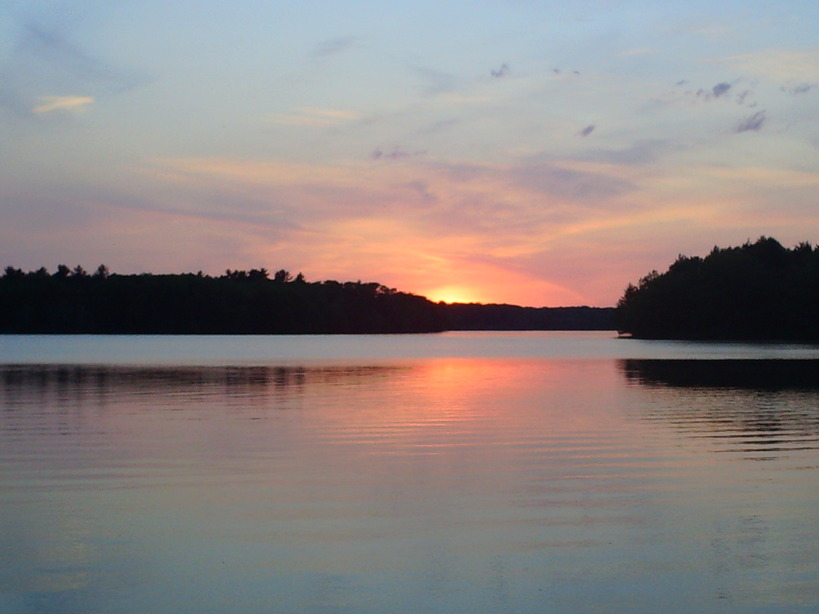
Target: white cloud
(49,104)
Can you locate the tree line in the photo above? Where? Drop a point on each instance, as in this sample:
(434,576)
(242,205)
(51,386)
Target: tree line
(238,302)
(756,291)
(73,301)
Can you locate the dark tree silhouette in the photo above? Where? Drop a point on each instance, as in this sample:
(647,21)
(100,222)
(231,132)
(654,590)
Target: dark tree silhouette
(101,272)
(11,273)
(281,276)
(757,291)
(248,302)
(239,302)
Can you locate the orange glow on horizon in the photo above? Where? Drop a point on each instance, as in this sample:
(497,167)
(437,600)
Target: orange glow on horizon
(453,294)
(481,286)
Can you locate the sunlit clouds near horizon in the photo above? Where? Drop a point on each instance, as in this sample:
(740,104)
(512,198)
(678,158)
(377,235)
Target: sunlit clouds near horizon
(538,153)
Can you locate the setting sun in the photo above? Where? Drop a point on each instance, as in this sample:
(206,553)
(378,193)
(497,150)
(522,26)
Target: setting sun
(453,294)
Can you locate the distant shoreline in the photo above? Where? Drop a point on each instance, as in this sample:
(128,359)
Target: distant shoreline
(251,303)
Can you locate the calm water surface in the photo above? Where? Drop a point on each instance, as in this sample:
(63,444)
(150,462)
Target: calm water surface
(524,472)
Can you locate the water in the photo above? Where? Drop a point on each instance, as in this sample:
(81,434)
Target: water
(487,472)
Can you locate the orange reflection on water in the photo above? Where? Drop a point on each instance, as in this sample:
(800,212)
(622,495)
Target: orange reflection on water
(432,403)
(482,411)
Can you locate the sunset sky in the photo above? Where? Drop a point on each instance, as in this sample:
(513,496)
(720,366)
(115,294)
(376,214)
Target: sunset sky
(528,152)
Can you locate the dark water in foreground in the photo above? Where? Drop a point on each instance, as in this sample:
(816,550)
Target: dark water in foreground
(477,473)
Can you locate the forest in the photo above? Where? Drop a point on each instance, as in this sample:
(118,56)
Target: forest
(758,291)
(74,301)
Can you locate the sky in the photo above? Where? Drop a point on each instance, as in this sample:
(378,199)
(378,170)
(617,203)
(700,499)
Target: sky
(536,153)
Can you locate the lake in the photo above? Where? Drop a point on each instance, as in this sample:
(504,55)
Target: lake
(461,472)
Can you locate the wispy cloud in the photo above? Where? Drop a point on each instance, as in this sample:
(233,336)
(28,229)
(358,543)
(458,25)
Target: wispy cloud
(55,48)
(436,81)
(719,89)
(495,204)
(752,123)
(570,184)
(586,131)
(397,153)
(628,53)
(438,127)
(334,46)
(640,153)
(500,72)
(558,71)
(796,90)
(43,57)
(777,64)
(759,176)
(316,118)
(744,96)
(49,104)
(722,91)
